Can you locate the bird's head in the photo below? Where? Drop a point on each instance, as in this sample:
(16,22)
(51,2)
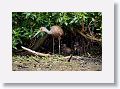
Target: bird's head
(41,29)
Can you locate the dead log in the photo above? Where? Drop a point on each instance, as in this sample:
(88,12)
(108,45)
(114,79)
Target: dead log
(35,53)
(39,42)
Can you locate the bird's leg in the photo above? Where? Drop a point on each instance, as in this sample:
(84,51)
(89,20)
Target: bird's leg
(53,46)
(59,45)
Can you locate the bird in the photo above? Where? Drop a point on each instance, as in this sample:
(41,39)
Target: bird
(55,31)
(66,50)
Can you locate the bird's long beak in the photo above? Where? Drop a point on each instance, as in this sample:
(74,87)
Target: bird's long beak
(37,33)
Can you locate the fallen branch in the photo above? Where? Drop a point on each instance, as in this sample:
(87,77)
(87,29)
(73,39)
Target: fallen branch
(35,53)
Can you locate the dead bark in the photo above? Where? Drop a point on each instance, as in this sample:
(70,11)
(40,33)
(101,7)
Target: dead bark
(35,53)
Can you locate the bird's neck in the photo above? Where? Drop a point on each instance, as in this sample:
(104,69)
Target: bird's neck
(47,31)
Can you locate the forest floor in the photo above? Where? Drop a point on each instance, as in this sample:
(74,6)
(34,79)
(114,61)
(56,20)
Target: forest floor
(56,63)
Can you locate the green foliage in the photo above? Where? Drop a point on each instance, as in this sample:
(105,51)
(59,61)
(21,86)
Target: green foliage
(26,24)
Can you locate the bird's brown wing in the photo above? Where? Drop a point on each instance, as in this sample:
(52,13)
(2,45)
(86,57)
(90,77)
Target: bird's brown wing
(56,31)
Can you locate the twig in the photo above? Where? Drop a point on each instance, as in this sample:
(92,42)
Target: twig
(89,37)
(69,58)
